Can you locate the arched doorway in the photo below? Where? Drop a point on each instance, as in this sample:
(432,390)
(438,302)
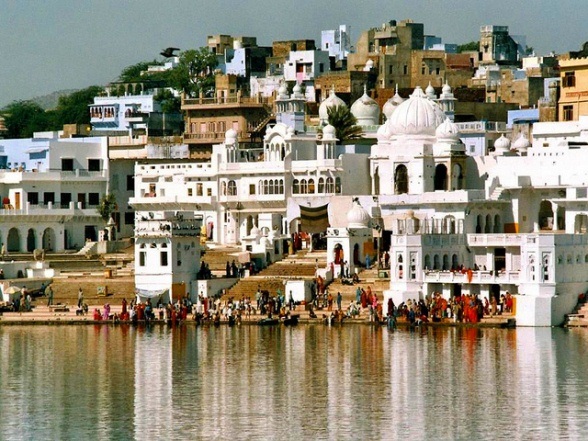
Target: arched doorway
(377,181)
(48,239)
(31,240)
(338,253)
(440,182)
(356,254)
(401,179)
(545,216)
(581,224)
(13,240)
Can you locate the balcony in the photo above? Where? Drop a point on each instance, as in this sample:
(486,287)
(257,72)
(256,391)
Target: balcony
(232,101)
(495,240)
(165,228)
(478,277)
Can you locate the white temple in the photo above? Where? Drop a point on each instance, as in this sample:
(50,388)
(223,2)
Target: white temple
(518,217)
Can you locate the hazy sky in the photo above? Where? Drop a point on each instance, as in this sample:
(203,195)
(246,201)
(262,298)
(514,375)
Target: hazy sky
(67,44)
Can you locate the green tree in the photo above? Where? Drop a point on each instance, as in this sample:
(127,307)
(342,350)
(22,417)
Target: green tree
(344,122)
(107,206)
(132,74)
(73,108)
(194,72)
(467,47)
(23,118)
(169,102)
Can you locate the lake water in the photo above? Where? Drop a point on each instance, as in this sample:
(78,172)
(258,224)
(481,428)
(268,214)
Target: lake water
(304,383)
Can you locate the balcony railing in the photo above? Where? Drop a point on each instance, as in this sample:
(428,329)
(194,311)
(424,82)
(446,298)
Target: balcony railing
(224,101)
(495,240)
(478,277)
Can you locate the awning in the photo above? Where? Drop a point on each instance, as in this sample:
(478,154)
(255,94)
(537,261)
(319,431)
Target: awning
(314,219)
(37,150)
(148,294)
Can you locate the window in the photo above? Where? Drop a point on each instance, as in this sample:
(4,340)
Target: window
(199,189)
(390,69)
(94,165)
(65,200)
(338,185)
(569,80)
(311,186)
(33,198)
(93,199)
(67,164)
(321,67)
(130,182)
(142,256)
(321,185)
(232,188)
(163,258)
(209,191)
(405,69)
(251,188)
(330,185)
(129,217)
(189,191)
(48,197)
(568,113)
(303,186)
(295,186)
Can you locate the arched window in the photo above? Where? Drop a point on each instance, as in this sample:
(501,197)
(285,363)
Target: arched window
(232,188)
(330,185)
(273,184)
(440,182)
(445,262)
(545,216)
(401,179)
(281,189)
(436,265)
(497,224)
(303,186)
(338,188)
(488,227)
(479,228)
(311,186)
(296,186)
(427,262)
(321,185)
(224,188)
(260,188)
(266,187)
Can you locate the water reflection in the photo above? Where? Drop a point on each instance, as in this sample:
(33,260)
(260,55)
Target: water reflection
(310,382)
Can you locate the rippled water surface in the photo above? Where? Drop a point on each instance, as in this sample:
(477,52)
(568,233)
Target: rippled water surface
(304,383)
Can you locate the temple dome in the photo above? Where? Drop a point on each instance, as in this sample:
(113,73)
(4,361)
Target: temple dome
(430,91)
(392,104)
(447,131)
(332,101)
(329,133)
(418,115)
(231,136)
(283,91)
(358,217)
(521,144)
(501,145)
(366,110)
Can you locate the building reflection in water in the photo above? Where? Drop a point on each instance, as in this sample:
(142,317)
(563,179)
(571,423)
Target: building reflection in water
(309,382)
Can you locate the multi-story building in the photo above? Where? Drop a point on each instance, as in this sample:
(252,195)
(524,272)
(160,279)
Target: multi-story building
(51,189)
(573,96)
(337,42)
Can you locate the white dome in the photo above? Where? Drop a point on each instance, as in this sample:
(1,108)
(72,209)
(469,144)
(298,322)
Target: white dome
(297,91)
(501,145)
(430,91)
(391,105)
(329,133)
(255,232)
(418,115)
(366,110)
(383,133)
(447,131)
(230,136)
(446,88)
(283,91)
(357,217)
(521,144)
(332,101)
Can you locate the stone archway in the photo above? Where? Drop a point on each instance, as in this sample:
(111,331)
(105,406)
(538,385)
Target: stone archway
(545,215)
(13,240)
(440,182)
(48,239)
(401,179)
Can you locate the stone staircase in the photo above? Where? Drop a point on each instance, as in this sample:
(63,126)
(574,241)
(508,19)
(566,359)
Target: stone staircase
(578,318)
(217,258)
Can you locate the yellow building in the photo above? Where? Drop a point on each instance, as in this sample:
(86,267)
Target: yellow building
(573,97)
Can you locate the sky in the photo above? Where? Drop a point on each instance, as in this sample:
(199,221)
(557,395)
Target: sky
(52,45)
